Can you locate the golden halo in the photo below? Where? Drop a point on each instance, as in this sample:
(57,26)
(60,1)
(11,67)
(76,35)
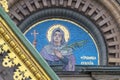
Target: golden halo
(50,30)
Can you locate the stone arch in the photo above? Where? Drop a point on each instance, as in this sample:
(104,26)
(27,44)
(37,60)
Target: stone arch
(73,16)
(92,9)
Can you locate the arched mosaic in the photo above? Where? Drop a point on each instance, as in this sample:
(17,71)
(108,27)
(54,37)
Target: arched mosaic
(78,46)
(92,9)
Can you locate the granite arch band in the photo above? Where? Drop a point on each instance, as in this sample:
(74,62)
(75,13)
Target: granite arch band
(76,17)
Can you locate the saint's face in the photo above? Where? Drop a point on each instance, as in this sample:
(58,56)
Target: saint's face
(57,37)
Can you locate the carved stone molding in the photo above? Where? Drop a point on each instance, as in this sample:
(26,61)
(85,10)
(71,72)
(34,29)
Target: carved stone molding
(105,77)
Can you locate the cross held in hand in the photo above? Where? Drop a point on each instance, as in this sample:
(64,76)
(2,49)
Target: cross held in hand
(35,34)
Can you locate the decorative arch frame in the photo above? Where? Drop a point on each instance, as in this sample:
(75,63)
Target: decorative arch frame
(96,11)
(75,17)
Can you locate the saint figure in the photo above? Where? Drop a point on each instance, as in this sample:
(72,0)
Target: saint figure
(54,53)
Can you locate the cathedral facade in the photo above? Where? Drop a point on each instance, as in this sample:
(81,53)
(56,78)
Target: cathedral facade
(89,31)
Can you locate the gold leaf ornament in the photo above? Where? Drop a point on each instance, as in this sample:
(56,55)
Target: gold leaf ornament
(4,4)
(21,73)
(10,61)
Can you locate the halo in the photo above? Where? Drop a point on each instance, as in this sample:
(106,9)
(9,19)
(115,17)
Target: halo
(63,28)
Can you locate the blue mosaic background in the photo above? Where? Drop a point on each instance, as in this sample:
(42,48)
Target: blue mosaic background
(85,55)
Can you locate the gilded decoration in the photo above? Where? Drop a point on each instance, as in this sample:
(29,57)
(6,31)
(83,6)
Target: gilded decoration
(4,4)
(17,55)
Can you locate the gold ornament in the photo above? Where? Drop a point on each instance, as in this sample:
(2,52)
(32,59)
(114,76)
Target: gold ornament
(4,4)
(21,73)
